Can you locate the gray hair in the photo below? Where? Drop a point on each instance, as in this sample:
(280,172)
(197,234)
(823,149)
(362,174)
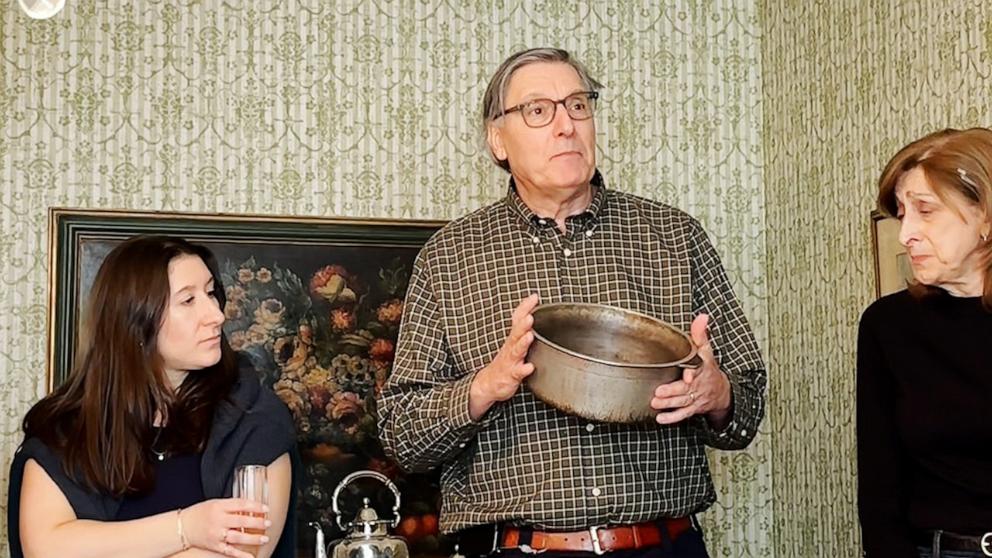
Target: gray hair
(495,97)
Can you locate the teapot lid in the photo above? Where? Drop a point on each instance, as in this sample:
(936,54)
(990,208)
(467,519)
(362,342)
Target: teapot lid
(367,523)
(369,538)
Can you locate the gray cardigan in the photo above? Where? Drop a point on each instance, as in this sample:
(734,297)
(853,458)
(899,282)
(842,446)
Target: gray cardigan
(252,426)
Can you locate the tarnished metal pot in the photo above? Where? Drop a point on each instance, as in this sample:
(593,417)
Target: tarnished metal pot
(604,363)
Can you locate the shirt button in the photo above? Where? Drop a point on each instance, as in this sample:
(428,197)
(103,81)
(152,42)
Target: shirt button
(461,445)
(542,221)
(535,240)
(744,432)
(567,252)
(589,233)
(590,427)
(596,492)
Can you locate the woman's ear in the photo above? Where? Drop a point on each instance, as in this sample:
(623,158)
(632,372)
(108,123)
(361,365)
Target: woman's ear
(985,231)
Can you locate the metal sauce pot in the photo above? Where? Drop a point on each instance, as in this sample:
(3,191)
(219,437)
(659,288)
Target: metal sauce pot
(604,363)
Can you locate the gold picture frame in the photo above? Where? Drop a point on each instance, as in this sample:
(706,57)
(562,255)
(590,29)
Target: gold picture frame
(892,268)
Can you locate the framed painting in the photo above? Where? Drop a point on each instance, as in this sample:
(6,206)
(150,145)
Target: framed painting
(315,304)
(892,269)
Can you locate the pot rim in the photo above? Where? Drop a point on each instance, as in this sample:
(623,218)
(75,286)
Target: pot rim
(552,345)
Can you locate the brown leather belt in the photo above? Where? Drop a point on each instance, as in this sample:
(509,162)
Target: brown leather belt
(597,539)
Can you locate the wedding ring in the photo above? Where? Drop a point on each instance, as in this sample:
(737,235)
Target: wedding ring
(692,397)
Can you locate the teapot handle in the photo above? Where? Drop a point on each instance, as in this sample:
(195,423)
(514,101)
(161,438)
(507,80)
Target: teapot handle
(367,474)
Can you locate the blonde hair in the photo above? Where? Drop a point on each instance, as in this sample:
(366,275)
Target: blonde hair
(955,163)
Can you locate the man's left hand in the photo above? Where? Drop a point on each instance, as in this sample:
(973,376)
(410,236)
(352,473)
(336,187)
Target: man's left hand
(703,390)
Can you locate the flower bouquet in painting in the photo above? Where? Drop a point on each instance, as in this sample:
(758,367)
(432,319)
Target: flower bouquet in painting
(324,341)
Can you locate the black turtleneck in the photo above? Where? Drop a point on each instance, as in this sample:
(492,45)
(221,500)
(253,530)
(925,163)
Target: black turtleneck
(924,391)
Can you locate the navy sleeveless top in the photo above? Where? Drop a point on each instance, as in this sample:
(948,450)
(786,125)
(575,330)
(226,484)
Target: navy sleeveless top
(177,485)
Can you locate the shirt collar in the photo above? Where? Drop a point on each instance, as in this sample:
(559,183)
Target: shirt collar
(589,216)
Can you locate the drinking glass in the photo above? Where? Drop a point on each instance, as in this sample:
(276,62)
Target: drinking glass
(251,483)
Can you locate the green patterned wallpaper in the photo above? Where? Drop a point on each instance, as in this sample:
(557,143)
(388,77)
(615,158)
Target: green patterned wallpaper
(368,109)
(846,83)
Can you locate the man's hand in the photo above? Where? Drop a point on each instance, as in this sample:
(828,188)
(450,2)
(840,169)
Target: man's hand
(703,390)
(502,377)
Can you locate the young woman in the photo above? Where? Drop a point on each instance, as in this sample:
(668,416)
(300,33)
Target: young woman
(134,454)
(924,359)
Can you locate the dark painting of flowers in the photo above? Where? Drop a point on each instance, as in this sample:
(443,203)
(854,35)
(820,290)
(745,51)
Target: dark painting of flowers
(317,312)
(325,336)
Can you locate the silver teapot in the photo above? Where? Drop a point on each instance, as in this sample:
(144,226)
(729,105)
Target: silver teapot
(368,536)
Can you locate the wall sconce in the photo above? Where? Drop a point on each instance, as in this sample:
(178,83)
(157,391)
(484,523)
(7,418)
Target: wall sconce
(41,9)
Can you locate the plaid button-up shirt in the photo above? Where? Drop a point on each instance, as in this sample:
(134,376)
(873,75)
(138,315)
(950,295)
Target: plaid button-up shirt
(524,461)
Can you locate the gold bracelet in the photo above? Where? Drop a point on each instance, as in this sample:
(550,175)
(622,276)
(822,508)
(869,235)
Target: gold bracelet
(179,529)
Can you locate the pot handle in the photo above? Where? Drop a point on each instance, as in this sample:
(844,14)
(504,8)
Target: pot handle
(695,362)
(373,475)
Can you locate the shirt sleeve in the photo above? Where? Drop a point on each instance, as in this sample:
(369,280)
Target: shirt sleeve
(423,409)
(733,344)
(882,475)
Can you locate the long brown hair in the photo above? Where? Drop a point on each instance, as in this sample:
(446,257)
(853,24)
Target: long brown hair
(954,162)
(100,421)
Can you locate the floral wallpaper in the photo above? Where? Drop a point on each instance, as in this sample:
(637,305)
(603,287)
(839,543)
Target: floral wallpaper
(368,109)
(846,84)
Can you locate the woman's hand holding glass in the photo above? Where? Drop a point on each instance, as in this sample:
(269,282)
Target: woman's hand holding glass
(226,526)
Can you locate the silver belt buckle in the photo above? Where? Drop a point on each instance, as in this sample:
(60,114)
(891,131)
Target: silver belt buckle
(594,534)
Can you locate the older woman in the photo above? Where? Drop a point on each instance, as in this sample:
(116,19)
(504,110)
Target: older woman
(925,360)
(133,455)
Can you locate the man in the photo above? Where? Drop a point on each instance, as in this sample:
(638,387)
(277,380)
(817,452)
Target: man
(525,476)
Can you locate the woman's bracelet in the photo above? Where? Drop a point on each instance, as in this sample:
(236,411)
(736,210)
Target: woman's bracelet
(179,530)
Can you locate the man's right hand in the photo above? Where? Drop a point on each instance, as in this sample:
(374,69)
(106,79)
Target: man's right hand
(502,377)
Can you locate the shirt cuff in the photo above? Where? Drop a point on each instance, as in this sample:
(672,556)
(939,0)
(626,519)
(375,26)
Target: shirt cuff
(457,408)
(459,417)
(745,406)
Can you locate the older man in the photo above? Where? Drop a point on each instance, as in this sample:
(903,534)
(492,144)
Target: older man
(523,475)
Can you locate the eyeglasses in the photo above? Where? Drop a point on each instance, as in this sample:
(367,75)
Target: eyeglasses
(540,112)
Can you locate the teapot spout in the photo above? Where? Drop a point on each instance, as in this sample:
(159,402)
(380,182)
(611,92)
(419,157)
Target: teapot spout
(320,549)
